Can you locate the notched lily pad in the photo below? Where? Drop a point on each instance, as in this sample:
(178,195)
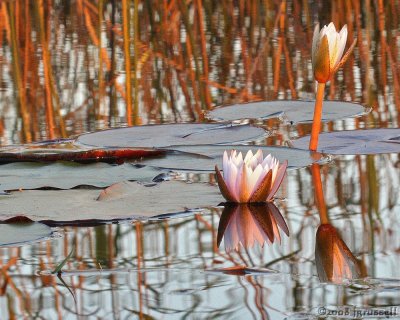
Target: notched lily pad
(22,233)
(371,141)
(67,175)
(287,110)
(204,158)
(171,134)
(124,200)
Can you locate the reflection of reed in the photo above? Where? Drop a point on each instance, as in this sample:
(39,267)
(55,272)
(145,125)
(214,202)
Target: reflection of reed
(205,61)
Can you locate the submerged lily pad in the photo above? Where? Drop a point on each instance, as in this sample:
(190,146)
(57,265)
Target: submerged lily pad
(22,233)
(67,175)
(287,110)
(370,141)
(204,158)
(123,200)
(171,134)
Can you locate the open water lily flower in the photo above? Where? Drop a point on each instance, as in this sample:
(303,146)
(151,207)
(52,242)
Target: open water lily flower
(327,51)
(252,179)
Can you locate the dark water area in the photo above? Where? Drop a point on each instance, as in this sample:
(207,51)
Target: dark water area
(64,72)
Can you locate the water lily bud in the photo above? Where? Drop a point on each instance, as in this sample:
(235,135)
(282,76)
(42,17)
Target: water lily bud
(252,179)
(327,51)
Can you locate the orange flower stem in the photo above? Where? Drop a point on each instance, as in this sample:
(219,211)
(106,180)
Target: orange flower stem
(316,126)
(319,194)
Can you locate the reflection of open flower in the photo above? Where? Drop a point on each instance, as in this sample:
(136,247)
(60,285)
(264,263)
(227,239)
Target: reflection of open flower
(252,179)
(335,262)
(246,224)
(327,50)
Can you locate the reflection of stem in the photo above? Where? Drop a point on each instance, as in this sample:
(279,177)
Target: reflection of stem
(316,126)
(319,194)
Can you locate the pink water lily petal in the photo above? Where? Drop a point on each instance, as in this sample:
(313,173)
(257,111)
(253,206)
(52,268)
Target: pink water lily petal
(249,156)
(231,181)
(278,180)
(316,40)
(243,184)
(225,165)
(256,177)
(341,43)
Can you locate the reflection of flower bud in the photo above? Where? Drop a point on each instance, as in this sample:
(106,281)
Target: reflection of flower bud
(327,50)
(246,224)
(252,179)
(335,262)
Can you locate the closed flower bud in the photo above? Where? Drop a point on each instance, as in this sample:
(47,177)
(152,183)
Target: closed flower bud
(327,51)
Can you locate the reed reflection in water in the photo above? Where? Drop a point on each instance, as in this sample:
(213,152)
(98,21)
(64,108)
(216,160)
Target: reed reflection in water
(69,67)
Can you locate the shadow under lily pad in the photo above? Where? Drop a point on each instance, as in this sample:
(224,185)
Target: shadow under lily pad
(22,233)
(292,111)
(204,158)
(171,134)
(371,141)
(124,200)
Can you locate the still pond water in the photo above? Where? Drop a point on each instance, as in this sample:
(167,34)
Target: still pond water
(63,72)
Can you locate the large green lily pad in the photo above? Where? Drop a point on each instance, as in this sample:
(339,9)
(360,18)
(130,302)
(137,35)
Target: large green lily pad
(67,175)
(372,141)
(204,158)
(287,110)
(21,233)
(123,200)
(171,134)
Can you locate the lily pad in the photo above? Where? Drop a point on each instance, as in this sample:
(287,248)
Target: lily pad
(69,152)
(204,158)
(22,233)
(372,141)
(171,134)
(124,200)
(287,110)
(67,175)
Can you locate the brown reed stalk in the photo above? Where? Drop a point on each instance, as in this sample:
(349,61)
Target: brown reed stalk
(205,75)
(278,52)
(136,40)
(140,260)
(382,39)
(127,53)
(9,14)
(100,6)
(192,56)
(46,66)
